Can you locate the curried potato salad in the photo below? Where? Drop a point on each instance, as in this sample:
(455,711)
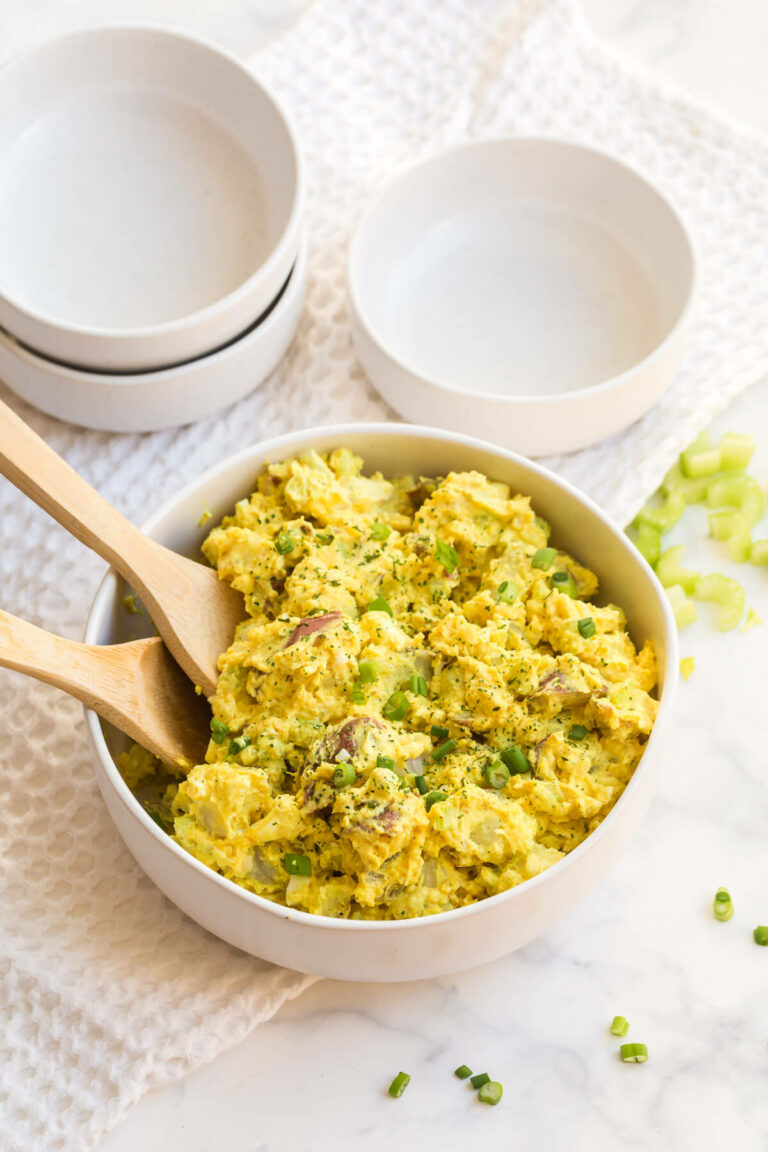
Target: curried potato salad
(423,706)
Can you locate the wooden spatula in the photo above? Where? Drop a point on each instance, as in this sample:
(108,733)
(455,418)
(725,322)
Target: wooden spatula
(138,687)
(195,613)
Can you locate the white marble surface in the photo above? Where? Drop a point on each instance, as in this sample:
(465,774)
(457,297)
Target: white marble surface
(645,945)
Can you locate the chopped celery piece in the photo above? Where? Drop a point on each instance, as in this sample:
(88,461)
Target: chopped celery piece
(704,463)
(693,490)
(733,527)
(687,665)
(727,594)
(647,540)
(670,571)
(759,552)
(736,450)
(683,609)
(666,515)
(751,620)
(740,491)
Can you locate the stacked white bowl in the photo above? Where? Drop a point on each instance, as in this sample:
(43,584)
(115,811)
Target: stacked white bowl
(152,267)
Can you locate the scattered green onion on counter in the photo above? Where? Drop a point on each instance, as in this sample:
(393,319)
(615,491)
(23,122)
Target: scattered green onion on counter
(463,1072)
(490,1093)
(633,1053)
(761,935)
(619,1026)
(480,1079)
(722,905)
(399,1085)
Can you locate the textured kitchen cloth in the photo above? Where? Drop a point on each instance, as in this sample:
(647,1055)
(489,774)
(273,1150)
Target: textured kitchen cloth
(106,990)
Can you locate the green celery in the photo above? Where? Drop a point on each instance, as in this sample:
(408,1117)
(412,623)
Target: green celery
(683,609)
(738,491)
(727,594)
(670,571)
(736,450)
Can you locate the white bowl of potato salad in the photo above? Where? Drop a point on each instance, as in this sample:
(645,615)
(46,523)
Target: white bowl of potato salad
(439,720)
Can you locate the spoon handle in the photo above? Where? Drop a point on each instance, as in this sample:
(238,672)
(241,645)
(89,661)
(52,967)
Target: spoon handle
(135,686)
(32,465)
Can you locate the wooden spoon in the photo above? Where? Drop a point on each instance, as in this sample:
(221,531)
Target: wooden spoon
(195,613)
(138,687)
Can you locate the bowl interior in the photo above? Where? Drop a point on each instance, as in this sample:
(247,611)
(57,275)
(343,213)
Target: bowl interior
(577,525)
(143,178)
(521,268)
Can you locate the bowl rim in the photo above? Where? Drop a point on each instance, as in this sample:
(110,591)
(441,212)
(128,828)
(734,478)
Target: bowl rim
(555,399)
(260,328)
(271,448)
(263,271)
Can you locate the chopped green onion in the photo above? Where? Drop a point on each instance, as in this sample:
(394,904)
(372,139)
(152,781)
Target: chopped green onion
(647,540)
(586,627)
(634,1053)
(463,1072)
(438,732)
(238,744)
(507,592)
(447,555)
(490,1093)
(386,762)
(740,491)
(666,515)
(543,558)
(284,543)
(344,775)
(759,552)
(296,865)
(542,525)
(761,935)
(421,785)
(356,695)
(683,609)
(380,605)
(399,1084)
(515,760)
(496,774)
(729,596)
(736,450)
(722,906)
(442,751)
(418,685)
(380,531)
(434,798)
(480,1079)
(670,571)
(577,732)
(619,1026)
(219,731)
(368,671)
(396,708)
(564,582)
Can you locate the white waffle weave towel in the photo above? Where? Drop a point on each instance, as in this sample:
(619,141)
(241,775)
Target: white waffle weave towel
(106,990)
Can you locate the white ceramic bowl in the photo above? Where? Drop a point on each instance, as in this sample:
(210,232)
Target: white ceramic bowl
(151,196)
(142,402)
(531,291)
(450,941)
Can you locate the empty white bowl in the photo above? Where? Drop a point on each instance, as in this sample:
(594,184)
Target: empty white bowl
(432,945)
(144,401)
(151,196)
(531,291)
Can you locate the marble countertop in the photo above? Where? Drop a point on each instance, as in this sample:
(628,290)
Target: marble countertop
(645,945)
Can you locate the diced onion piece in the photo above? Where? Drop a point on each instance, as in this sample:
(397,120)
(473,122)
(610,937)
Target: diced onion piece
(736,450)
(727,594)
(664,516)
(759,552)
(739,491)
(683,609)
(670,571)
